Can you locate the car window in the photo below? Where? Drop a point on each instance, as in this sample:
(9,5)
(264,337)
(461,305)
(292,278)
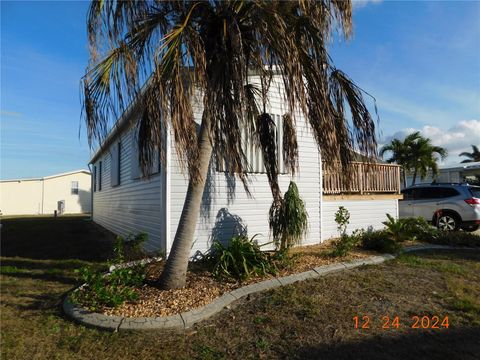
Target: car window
(475,191)
(427,193)
(448,192)
(407,194)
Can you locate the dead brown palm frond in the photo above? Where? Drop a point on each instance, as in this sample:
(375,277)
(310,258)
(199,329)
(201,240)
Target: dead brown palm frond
(212,49)
(290,145)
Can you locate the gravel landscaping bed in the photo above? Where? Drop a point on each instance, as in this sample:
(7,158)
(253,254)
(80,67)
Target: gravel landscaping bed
(202,287)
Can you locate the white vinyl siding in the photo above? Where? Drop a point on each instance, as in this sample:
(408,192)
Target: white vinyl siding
(364,214)
(135,206)
(222,210)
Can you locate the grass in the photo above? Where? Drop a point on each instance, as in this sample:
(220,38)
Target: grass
(312,319)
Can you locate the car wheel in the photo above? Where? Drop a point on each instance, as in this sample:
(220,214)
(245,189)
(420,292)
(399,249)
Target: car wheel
(470,228)
(448,222)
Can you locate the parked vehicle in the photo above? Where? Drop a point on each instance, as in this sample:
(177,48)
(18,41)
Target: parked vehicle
(449,206)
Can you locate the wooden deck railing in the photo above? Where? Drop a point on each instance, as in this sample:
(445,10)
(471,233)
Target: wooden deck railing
(367,178)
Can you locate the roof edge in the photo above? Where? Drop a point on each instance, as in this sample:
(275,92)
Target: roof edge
(49,177)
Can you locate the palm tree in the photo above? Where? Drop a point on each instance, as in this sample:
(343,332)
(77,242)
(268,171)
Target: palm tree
(424,157)
(415,154)
(161,54)
(400,156)
(473,156)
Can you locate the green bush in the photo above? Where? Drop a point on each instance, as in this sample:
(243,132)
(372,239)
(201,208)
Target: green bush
(346,243)
(417,228)
(116,287)
(288,219)
(379,240)
(397,229)
(108,290)
(455,238)
(241,259)
(129,248)
(342,218)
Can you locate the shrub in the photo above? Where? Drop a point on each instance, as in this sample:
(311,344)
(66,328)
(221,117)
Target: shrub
(419,229)
(108,290)
(342,218)
(397,229)
(130,247)
(241,259)
(116,287)
(346,243)
(379,240)
(288,219)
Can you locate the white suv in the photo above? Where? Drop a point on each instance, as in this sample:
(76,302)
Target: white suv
(448,206)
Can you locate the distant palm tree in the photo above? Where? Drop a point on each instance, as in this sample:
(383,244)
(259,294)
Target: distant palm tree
(473,156)
(424,158)
(415,154)
(400,156)
(212,48)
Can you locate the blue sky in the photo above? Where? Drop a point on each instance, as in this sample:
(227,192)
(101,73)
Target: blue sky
(421,60)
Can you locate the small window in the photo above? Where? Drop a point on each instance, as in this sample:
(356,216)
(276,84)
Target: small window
(94,178)
(100,176)
(74,189)
(254,154)
(115,165)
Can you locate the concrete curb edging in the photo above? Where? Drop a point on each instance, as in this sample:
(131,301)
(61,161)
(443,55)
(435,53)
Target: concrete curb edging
(189,318)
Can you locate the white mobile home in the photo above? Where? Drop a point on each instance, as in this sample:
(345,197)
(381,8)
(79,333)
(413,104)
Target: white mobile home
(455,173)
(65,193)
(125,203)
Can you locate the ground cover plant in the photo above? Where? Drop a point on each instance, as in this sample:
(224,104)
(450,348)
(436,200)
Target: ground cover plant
(308,320)
(241,259)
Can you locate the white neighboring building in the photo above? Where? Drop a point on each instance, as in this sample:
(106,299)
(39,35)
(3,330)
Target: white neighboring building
(43,196)
(125,203)
(456,173)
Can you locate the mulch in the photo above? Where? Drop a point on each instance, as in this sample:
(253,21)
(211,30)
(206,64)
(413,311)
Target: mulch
(202,287)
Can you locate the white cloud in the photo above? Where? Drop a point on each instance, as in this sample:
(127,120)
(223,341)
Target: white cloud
(455,139)
(357,4)
(10,113)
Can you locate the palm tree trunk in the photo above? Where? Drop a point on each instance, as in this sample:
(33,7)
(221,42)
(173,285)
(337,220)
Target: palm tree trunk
(414,176)
(175,271)
(404,176)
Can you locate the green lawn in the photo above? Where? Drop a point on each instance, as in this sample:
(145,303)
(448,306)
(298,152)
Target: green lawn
(312,319)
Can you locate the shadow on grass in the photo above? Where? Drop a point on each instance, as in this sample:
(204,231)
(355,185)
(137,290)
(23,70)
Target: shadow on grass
(44,276)
(452,343)
(69,237)
(445,254)
(28,264)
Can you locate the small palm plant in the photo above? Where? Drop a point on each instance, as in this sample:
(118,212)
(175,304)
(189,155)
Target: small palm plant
(288,219)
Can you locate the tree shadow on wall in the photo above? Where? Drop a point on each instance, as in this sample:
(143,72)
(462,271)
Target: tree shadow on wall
(209,192)
(227,225)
